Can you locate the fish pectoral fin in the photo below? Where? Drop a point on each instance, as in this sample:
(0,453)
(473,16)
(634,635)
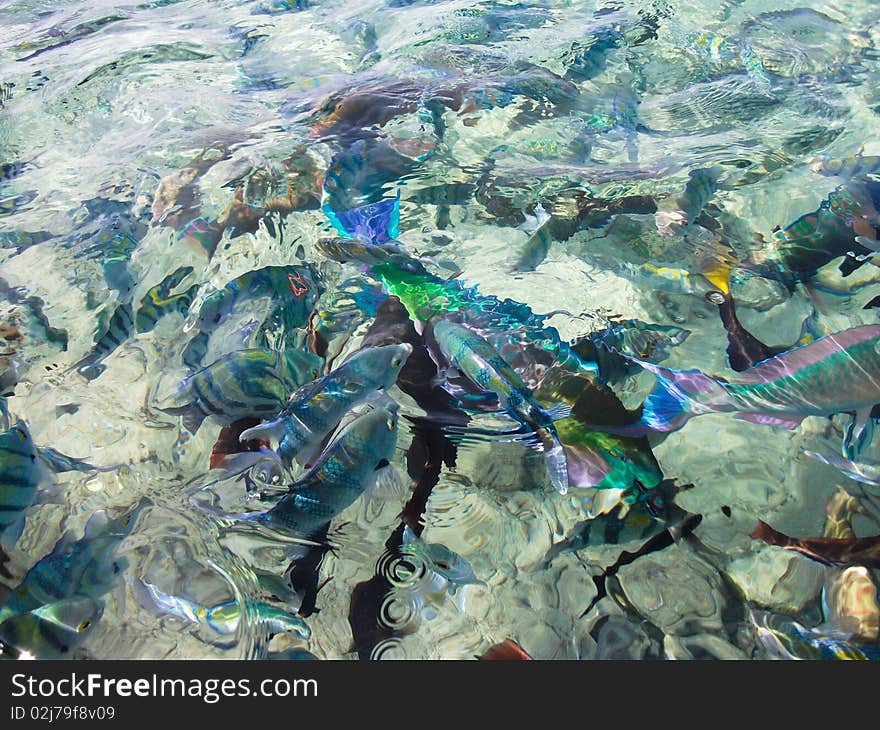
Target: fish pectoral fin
(388,486)
(767,419)
(859,433)
(12,533)
(263,432)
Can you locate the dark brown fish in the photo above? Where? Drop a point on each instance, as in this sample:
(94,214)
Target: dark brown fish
(863,551)
(507,650)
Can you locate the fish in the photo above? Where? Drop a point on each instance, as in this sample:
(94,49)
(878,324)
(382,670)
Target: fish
(862,471)
(124,323)
(356,461)
(796,252)
(84,567)
(450,570)
(851,166)
(53,631)
(292,293)
(224,618)
(159,300)
(594,457)
(254,382)
(507,650)
(826,550)
(785,638)
(638,514)
(316,408)
(633,337)
(481,363)
(25,469)
(836,373)
(677,212)
(535,250)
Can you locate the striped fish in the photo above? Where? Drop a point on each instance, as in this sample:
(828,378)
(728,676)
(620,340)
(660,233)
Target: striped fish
(255,382)
(87,567)
(358,459)
(25,468)
(316,408)
(124,323)
(21,475)
(159,300)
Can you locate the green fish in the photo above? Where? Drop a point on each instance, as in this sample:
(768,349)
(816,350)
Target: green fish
(834,374)
(473,356)
(52,631)
(224,618)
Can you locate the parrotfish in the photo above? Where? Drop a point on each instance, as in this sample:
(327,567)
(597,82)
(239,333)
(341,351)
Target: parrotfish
(834,374)
(357,460)
(473,356)
(786,638)
(25,468)
(255,382)
(317,407)
(224,618)
(796,252)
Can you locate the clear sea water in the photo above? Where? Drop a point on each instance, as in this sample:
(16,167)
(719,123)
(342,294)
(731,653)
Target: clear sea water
(121,124)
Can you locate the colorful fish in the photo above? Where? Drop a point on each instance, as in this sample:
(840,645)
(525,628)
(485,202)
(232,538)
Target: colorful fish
(483,365)
(834,374)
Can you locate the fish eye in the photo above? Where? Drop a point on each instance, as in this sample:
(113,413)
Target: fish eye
(443,565)
(395,361)
(126,520)
(21,434)
(391,423)
(84,625)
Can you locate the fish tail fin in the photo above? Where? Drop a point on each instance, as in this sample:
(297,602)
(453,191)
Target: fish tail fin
(374,223)
(557,466)
(675,398)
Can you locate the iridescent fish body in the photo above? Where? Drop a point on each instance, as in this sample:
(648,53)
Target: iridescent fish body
(224,618)
(834,374)
(483,365)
